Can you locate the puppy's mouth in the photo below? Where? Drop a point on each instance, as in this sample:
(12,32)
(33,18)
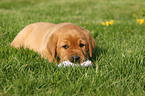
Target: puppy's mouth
(75,59)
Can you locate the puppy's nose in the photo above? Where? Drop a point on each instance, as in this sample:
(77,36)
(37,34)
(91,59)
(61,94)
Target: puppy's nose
(75,59)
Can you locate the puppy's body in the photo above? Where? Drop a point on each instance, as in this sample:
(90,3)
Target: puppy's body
(58,42)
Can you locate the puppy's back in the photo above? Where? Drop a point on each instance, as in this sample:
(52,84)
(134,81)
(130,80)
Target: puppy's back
(33,35)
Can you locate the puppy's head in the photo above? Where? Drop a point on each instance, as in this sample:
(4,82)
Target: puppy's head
(74,43)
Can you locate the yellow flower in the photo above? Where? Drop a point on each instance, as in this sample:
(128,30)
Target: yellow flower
(107,23)
(92,31)
(111,22)
(140,21)
(103,23)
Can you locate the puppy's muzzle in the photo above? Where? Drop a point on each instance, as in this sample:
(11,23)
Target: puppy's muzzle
(75,59)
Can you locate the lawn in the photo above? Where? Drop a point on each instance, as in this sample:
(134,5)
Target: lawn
(119,55)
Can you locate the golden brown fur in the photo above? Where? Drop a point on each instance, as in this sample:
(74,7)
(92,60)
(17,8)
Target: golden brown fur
(57,42)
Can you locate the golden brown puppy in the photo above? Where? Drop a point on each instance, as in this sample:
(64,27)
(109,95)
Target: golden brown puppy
(57,42)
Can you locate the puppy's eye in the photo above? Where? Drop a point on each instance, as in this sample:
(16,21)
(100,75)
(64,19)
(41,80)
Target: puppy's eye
(65,46)
(82,45)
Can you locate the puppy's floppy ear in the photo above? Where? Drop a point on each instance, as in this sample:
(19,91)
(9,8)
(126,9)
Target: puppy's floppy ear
(91,43)
(90,40)
(51,47)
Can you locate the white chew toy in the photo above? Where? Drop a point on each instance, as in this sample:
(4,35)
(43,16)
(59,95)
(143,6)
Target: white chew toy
(67,63)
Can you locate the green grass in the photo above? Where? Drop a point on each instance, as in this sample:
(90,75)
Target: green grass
(119,55)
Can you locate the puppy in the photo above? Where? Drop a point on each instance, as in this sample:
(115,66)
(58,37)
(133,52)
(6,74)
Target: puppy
(56,42)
